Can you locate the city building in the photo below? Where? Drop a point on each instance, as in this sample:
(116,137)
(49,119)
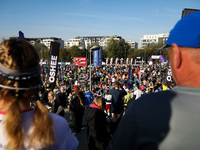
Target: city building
(133,44)
(153,38)
(46,41)
(89,40)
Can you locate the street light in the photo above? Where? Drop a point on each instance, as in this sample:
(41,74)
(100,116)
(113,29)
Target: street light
(94,48)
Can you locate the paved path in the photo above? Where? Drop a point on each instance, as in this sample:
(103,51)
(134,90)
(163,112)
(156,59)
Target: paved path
(82,136)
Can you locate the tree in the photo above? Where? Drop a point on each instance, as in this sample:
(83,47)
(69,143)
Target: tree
(42,51)
(117,48)
(64,55)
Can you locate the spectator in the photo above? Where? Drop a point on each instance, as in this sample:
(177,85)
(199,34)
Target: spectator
(54,105)
(117,101)
(170,119)
(99,128)
(77,101)
(21,126)
(137,93)
(88,97)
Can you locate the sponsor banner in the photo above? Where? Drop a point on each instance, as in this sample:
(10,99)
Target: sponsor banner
(168,76)
(131,61)
(121,61)
(100,57)
(80,61)
(116,61)
(129,84)
(95,58)
(155,56)
(111,61)
(107,61)
(53,63)
(126,61)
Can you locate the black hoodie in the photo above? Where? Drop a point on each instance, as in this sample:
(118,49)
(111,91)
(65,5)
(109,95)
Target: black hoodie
(99,128)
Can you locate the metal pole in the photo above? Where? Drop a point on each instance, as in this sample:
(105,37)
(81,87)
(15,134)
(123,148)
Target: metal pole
(86,61)
(90,72)
(125,53)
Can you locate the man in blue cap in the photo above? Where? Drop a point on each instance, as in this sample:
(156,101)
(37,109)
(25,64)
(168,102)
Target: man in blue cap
(168,120)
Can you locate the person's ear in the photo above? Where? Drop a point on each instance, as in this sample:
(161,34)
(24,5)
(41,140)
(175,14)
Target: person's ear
(177,54)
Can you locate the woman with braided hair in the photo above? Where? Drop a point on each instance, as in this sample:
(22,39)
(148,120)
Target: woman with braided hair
(20,126)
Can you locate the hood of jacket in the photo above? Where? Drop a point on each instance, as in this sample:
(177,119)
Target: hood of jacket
(90,113)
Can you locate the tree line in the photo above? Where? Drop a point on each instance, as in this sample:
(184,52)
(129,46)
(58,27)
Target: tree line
(115,49)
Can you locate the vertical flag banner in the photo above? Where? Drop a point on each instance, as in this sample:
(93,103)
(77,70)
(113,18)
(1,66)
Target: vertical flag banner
(53,63)
(131,61)
(21,35)
(129,83)
(100,57)
(121,61)
(116,61)
(126,61)
(107,61)
(95,58)
(111,60)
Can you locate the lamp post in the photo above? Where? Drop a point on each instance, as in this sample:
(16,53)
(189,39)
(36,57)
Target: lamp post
(94,48)
(83,48)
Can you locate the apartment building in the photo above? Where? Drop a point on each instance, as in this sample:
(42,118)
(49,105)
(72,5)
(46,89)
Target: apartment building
(46,41)
(133,44)
(89,40)
(153,38)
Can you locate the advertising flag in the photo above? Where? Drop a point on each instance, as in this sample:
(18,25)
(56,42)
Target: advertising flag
(126,61)
(95,58)
(53,63)
(116,61)
(100,57)
(129,83)
(121,61)
(111,60)
(107,61)
(131,61)
(21,35)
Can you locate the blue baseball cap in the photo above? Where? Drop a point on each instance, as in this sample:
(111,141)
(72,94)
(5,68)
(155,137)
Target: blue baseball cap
(186,33)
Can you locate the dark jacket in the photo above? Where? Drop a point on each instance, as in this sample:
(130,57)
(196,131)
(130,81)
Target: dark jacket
(54,107)
(75,102)
(117,95)
(99,129)
(62,98)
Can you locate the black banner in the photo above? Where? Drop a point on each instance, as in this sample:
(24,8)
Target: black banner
(53,63)
(168,76)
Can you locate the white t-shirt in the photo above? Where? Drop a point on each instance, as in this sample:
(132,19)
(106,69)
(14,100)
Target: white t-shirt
(138,94)
(64,135)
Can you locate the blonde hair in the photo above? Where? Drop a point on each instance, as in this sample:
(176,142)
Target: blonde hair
(98,101)
(20,55)
(54,97)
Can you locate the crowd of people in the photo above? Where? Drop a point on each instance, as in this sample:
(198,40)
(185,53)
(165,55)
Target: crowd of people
(127,108)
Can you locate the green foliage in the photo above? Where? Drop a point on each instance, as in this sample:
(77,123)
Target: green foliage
(117,49)
(149,50)
(42,51)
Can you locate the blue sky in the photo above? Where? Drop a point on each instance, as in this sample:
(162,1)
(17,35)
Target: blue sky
(67,19)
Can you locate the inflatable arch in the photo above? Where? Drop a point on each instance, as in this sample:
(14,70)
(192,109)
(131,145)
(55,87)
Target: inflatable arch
(162,59)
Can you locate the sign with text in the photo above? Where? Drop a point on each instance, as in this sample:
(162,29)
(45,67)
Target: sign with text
(80,61)
(53,63)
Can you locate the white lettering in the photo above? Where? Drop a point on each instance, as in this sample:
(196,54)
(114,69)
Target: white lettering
(53,57)
(51,79)
(52,72)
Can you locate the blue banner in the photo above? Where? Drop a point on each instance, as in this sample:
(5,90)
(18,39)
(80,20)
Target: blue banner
(21,35)
(129,84)
(95,58)
(100,57)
